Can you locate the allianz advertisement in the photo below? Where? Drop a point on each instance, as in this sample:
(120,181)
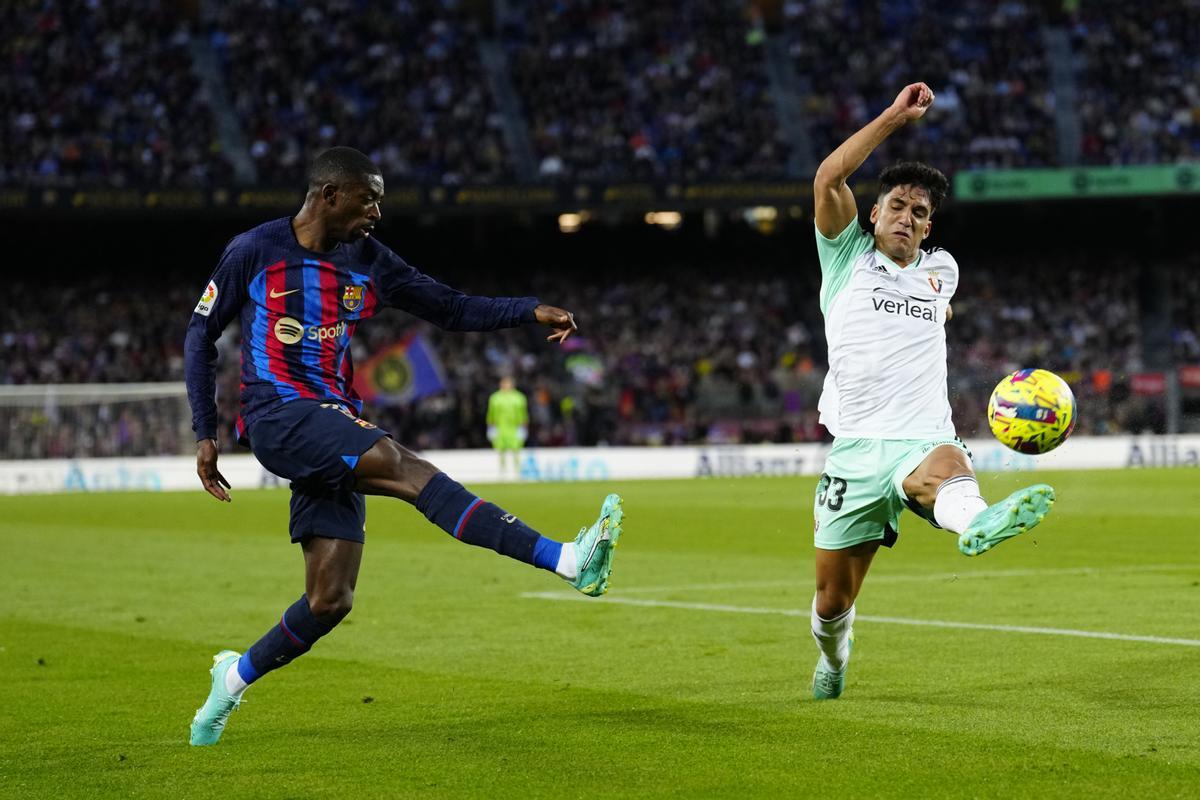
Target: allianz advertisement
(178,473)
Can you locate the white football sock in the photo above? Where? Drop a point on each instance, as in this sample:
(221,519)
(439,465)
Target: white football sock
(958,502)
(234,684)
(833,637)
(567,567)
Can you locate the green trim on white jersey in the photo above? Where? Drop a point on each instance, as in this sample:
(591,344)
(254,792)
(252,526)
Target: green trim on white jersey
(887,342)
(837,257)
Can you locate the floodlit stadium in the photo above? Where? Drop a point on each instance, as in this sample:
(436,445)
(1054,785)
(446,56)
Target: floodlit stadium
(869,330)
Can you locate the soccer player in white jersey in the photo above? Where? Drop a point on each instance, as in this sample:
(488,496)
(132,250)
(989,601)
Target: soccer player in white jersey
(886,302)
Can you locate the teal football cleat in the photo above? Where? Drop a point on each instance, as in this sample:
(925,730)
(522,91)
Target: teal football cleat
(827,684)
(594,548)
(210,719)
(1017,513)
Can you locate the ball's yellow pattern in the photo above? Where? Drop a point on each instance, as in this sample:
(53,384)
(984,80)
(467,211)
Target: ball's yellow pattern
(1032,411)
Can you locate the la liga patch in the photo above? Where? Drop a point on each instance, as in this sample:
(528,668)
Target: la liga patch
(208,300)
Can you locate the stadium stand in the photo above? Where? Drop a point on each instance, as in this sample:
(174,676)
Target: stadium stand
(735,357)
(620,91)
(986,61)
(108,95)
(1140,98)
(1185,313)
(103,94)
(401,80)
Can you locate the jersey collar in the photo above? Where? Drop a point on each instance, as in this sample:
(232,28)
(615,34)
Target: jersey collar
(885,264)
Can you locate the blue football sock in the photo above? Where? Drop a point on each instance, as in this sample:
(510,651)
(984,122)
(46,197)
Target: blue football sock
(296,633)
(445,503)
(546,553)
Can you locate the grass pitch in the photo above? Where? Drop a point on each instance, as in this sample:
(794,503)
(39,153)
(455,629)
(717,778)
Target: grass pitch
(460,673)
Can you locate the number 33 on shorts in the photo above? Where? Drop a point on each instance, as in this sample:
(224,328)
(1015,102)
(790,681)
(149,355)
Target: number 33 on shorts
(831,495)
(830,492)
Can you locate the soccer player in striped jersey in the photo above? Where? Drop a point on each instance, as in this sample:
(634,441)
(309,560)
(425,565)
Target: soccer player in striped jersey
(300,286)
(886,302)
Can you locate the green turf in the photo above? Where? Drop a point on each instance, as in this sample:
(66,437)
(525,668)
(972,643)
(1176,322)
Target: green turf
(447,682)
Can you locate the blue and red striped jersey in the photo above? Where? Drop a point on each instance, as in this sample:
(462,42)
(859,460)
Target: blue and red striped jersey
(298,310)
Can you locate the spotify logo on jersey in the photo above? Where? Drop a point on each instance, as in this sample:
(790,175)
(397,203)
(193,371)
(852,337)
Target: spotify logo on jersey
(288,330)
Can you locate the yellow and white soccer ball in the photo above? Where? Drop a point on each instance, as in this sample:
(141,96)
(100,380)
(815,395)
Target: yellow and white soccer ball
(1032,411)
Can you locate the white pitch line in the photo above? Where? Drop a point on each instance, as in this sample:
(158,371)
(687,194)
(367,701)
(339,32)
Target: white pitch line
(929,623)
(931,576)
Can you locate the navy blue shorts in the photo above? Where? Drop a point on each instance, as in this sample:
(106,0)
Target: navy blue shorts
(316,446)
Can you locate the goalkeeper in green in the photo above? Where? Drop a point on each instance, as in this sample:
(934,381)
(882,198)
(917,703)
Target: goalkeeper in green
(507,420)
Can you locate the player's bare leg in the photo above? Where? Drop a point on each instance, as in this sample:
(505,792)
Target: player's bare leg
(941,465)
(840,575)
(392,470)
(944,484)
(330,574)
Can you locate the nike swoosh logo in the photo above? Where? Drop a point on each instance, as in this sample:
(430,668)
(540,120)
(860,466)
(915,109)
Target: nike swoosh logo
(275,294)
(603,537)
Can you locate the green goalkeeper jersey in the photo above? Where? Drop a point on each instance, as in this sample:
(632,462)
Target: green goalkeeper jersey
(507,409)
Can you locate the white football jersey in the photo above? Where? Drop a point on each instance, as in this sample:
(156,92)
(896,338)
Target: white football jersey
(885,326)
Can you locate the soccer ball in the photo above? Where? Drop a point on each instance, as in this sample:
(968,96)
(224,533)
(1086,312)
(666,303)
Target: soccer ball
(1032,411)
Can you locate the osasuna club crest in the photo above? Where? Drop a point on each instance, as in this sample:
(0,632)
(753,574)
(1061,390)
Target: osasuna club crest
(352,298)
(935,282)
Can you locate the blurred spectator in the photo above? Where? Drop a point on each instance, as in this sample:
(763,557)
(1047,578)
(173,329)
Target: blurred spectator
(1087,329)
(103,95)
(1140,85)
(690,353)
(52,429)
(400,80)
(106,94)
(624,91)
(1185,317)
(985,60)
(95,332)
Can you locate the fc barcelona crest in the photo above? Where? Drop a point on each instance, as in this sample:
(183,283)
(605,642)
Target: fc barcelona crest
(352,298)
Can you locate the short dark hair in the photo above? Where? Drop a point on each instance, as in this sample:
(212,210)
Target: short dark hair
(915,173)
(340,165)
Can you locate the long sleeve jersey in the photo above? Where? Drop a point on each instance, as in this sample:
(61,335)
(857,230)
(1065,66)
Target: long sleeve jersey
(298,310)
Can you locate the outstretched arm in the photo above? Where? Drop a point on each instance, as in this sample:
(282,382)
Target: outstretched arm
(403,286)
(832,198)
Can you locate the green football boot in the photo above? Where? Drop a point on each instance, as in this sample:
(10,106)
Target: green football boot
(827,684)
(211,717)
(1017,513)
(594,548)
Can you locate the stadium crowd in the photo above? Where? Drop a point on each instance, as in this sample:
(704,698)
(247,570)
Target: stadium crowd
(400,79)
(104,94)
(109,95)
(985,60)
(683,355)
(614,90)
(1140,89)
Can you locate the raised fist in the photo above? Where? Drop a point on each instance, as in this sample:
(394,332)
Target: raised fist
(913,100)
